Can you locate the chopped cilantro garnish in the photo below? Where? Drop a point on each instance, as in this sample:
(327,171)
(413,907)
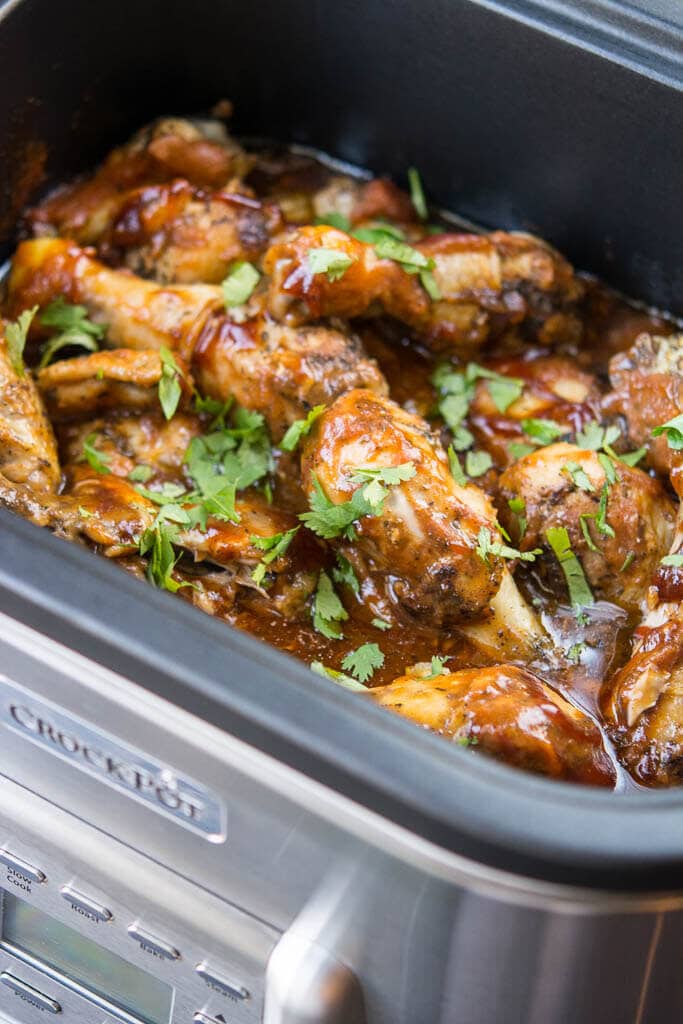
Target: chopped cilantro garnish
(456,469)
(300,428)
(438,665)
(486,546)
(575,651)
(477,463)
(412,260)
(329,261)
(580,594)
(632,458)
(273,547)
(372,234)
(594,436)
(608,467)
(542,431)
(73,327)
(467,741)
(334,220)
(140,474)
(417,195)
(328,611)
(344,573)
(674,560)
(518,507)
(518,450)
(169,383)
(327,519)
(627,561)
(157,542)
(16,333)
(363,662)
(336,677)
(167,494)
(457,390)
(85,513)
(96,460)
(381,624)
(674,432)
(503,390)
(213,407)
(578,476)
(240,283)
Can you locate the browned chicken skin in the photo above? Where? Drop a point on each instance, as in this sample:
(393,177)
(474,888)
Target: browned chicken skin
(506,712)
(28,453)
(277,370)
(639,514)
(176,232)
(486,283)
(169,148)
(644,704)
(423,546)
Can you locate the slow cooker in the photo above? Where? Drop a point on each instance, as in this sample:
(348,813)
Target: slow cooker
(195,830)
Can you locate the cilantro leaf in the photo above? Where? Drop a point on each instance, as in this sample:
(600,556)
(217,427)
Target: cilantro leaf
(219,410)
(608,467)
(390,475)
(518,507)
(363,662)
(273,547)
(240,283)
(381,624)
(503,390)
(580,594)
(674,560)
(334,220)
(575,651)
(428,282)
(328,611)
(300,428)
(140,474)
(73,326)
(486,546)
(16,333)
(329,261)
(477,463)
(438,665)
(417,196)
(674,432)
(412,260)
(542,431)
(633,458)
(375,233)
(344,573)
(627,561)
(578,476)
(96,460)
(336,677)
(328,520)
(518,450)
(157,541)
(455,467)
(169,383)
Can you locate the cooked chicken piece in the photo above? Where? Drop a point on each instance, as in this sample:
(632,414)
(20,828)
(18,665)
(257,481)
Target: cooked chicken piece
(279,371)
(648,391)
(200,151)
(137,313)
(486,284)
(562,485)
(121,379)
(422,547)
(126,441)
(176,232)
(644,704)
(360,201)
(506,712)
(554,389)
(28,453)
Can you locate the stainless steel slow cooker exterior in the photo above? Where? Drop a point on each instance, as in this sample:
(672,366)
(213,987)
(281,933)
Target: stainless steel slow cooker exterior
(265,845)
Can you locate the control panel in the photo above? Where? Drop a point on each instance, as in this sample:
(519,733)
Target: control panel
(108,936)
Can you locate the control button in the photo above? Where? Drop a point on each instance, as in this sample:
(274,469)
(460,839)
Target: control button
(151,944)
(220,984)
(30,994)
(21,867)
(84,905)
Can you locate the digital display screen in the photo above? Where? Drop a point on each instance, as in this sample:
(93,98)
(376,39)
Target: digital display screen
(27,930)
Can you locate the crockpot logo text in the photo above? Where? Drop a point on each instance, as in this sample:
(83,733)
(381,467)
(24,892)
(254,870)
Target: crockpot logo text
(163,787)
(112,761)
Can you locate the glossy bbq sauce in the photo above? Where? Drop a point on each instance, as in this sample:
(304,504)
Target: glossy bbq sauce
(611,325)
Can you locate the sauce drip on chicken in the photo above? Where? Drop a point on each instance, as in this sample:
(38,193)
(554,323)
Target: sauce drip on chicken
(441,468)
